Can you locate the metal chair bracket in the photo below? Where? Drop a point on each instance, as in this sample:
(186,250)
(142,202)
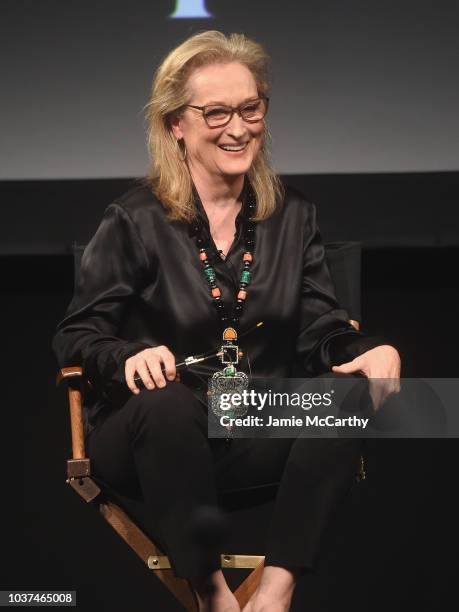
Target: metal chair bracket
(241,561)
(85,487)
(161,562)
(78,468)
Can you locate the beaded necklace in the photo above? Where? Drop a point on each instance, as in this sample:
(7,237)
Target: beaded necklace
(227,318)
(229,381)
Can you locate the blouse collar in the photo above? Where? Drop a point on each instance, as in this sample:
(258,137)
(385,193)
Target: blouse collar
(243,214)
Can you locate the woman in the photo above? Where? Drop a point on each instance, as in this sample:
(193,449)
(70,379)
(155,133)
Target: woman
(161,279)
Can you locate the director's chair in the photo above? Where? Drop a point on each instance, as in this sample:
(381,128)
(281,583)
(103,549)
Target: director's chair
(124,514)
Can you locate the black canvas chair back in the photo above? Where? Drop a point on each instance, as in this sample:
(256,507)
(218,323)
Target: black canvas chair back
(344,263)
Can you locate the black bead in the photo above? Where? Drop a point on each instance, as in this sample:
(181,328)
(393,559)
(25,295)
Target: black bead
(247,264)
(238,308)
(243,285)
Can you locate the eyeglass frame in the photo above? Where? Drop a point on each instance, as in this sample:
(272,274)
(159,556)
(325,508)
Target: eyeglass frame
(234,109)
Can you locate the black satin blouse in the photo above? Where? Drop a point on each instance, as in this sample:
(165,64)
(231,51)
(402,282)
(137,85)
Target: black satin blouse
(141,284)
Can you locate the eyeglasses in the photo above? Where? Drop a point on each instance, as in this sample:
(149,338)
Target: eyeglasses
(217,115)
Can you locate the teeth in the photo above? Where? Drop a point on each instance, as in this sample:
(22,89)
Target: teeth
(232,148)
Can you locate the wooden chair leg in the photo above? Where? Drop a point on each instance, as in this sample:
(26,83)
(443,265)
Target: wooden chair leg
(248,586)
(146,549)
(156,560)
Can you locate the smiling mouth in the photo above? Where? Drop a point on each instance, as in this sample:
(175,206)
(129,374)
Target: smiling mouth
(234,148)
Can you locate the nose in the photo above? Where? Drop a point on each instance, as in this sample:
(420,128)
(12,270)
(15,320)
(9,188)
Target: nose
(237,126)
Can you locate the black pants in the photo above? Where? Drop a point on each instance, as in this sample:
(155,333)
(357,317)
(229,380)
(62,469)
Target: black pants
(158,441)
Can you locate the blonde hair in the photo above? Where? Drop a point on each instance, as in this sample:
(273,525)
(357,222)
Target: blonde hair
(169,176)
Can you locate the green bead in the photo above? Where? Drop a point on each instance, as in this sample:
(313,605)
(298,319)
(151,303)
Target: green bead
(229,371)
(245,276)
(210,274)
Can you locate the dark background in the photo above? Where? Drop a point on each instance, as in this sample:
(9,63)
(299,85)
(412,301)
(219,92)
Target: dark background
(377,151)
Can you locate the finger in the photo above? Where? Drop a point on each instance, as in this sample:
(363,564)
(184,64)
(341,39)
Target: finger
(394,386)
(144,373)
(346,368)
(383,395)
(385,388)
(375,399)
(129,371)
(375,390)
(169,364)
(154,364)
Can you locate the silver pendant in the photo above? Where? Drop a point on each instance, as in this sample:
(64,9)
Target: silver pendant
(228,382)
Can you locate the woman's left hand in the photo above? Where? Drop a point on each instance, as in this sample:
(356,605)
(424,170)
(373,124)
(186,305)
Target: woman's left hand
(382,366)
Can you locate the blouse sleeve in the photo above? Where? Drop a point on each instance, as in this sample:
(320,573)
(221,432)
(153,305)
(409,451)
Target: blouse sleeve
(112,270)
(326,338)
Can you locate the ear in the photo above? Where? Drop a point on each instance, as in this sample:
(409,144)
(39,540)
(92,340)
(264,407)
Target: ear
(175,123)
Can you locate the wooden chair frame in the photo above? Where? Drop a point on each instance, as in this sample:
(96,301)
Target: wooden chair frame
(79,478)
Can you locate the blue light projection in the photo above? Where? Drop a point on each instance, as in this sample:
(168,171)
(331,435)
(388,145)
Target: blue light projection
(190,9)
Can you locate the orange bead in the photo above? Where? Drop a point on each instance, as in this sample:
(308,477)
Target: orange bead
(230,334)
(242,295)
(247,257)
(216,292)
(202,256)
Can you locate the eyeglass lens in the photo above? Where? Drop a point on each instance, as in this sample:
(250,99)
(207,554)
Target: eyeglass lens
(252,111)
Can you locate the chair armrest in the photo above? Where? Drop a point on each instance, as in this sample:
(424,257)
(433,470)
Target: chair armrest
(71,372)
(73,376)
(78,468)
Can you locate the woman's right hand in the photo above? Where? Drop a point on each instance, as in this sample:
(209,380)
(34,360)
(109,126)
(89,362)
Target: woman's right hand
(148,365)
